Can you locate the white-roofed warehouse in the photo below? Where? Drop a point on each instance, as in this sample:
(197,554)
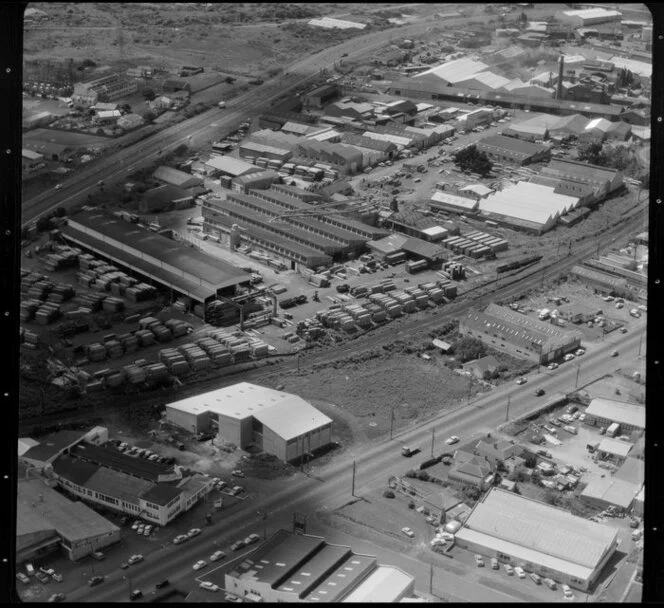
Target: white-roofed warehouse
(543,539)
(529,206)
(247,414)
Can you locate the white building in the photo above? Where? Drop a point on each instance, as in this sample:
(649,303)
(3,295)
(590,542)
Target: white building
(246,414)
(543,539)
(602,412)
(588,16)
(303,568)
(454,72)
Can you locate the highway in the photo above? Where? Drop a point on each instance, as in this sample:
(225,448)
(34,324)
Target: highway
(331,485)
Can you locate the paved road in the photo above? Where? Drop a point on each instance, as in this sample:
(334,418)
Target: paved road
(330,488)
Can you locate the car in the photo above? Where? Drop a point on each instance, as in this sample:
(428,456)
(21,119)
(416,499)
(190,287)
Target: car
(623,330)
(569,597)
(568,357)
(162,584)
(521,381)
(208,586)
(237,490)
(180,538)
(153,457)
(229,597)
(134,559)
(135,525)
(479,560)
(619,305)
(217,555)
(95,580)
(520,572)
(408,532)
(452,440)
(220,485)
(536,578)
(200,564)
(58,578)
(124,565)
(552,366)
(47,571)
(614,353)
(147,531)
(236,546)
(580,351)
(148,528)
(135,594)
(237,473)
(494,563)
(58,186)
(252,538)
(42,578)
(509,569)
(57,597)
(193,532)
(22,577)
(140,529)
(582,417)
(100,182)
(539,392)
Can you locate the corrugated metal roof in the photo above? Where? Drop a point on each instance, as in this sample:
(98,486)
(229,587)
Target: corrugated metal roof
(455,71)
(118,485)
(53,444)
(462,202)
(231,166)
(491,80)
(614,446)
(177,177)
(385,584)
(614,491)
(542,528)
(512,144)
(617,411)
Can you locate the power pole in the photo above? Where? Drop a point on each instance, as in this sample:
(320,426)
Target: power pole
(433,437)
(391,422)
(507,413)
(352,492)
(431,579)
(578,369)
(640,341)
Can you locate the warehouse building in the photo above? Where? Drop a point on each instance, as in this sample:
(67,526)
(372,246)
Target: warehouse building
(519,335)
(602,179)
(508,149)
(254,181)
(452,203)
(455,72)
(603,492)
(568,126)
(321,96)
(527,206)
(415,224)
(229,166)
(255,150)
(304,568)
(250,415)
(350,109)
(47,521)
(373,150)
(165,198)
(30,159)
(175,177)
(158,259)
(601,281)
(603,412)
(534,128)
(413,247)
(543,539)
(589,16)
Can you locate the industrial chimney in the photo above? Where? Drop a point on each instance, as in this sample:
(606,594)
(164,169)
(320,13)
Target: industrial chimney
(561,69)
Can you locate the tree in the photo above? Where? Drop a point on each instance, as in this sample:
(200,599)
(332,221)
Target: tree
(149,116)
(530,460)
(591,153)
(471,492)
(468,349)
(60,212)
(471,159)
(149,94)
(43,224)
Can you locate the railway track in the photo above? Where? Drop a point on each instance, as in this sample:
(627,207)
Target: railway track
(407,327)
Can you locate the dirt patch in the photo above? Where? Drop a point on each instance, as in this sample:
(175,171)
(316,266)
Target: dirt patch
(266,466)
(370,386)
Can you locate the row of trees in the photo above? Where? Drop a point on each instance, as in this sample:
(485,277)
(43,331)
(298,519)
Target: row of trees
(623,158)
(473,160)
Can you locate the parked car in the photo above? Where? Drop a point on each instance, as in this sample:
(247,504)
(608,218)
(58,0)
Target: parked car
(236,546)
(135,594)
(180,538)
(193,532)
(57,597)
(200,564)
(237,490)
(251,539)
(95,580)
(42,578)
(135,525)
(494,563)
(520,572)
(408,532)
(509,569)
(452,440)
(552,366)
(479,560)
(162,584)
(22,577)
(614,353)
(568,357)
(134,559)
(237,473)
(58,578)
(579,351)
(536,578)
(550,583)
(539,392)
(521,381)
(208,586)
(217,555)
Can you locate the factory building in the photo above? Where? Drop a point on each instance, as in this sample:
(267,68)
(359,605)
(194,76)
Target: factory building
(304,568)
(227,166)
(321,96)
(519,335)
(48,522)
(508,149)
(604,412)
(589,16)
(254,150)
(452,203)
(602,179)
(454,72)
(250,415)
(158,259)
(528,206)
(175,177)
(544,539)
(103,88)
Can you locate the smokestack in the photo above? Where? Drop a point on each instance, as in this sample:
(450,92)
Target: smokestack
(561,68)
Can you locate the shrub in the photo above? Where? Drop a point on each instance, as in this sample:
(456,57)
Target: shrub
(412,473)
(423,476)
(60,212)
(411,504)
(389,494)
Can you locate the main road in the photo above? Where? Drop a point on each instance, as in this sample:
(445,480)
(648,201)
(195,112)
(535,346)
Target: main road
(199,130)
(330,487)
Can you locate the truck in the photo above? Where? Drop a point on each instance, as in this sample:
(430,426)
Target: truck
(613,429)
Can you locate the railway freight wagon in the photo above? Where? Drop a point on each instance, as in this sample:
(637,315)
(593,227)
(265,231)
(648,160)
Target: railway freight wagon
(522,263)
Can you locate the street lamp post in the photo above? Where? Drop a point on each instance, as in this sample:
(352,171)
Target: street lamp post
(507,413)
(578,369)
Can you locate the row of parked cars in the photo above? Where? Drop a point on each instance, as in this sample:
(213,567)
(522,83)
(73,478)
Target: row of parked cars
(43,575)
(141,452)
(521,573)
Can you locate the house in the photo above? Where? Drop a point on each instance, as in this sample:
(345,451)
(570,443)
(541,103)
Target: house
(482,368)
(30,159)
(472,470)
(104,117)
(578,312)
(497,451)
